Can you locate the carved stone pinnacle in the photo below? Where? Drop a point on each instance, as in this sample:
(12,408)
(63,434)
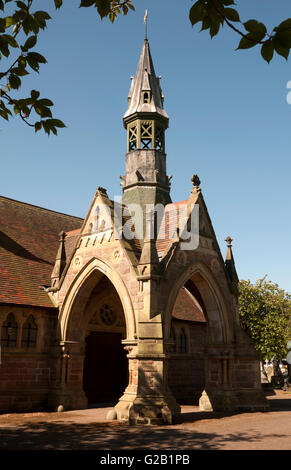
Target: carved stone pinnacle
(228,241)
(195,181)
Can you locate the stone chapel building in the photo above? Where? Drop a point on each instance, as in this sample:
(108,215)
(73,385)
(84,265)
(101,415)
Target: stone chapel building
(88,317)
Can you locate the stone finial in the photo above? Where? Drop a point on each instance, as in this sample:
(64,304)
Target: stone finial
(196,182)
(229,261)
(229,256)
(62,236)
(101,191)
(123,180)
(60,261)
(228,241)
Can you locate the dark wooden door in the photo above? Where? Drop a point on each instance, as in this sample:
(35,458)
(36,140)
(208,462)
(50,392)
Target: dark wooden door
(105,368)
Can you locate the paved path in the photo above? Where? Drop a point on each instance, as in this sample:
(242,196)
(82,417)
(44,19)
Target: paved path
(87,429)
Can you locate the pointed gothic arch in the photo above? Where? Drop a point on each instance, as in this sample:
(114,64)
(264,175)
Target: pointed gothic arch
(79,292)
(209,295)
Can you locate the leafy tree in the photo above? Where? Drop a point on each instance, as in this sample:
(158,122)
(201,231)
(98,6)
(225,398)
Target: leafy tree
(18,37)
(265,313)
(20,28)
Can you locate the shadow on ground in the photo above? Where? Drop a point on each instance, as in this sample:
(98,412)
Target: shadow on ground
(63,435)
(58,432)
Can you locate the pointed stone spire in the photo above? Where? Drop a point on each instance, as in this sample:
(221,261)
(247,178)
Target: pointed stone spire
(146,181)
(145,94)
(60,261)
(229,262)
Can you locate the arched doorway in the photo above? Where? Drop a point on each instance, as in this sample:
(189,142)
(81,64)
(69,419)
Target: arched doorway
(105,371)
(105,376)
(205,365)
(186,371)
(97,285)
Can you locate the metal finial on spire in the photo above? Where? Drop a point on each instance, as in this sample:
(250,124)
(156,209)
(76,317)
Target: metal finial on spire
(145,19)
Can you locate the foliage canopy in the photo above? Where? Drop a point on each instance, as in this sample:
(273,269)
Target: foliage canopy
(265,313)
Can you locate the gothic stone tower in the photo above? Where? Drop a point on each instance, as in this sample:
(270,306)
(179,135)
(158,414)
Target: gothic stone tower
(146,181)
(173,304)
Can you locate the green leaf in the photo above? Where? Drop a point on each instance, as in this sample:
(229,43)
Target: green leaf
(281,50)
(2,25)
(267,50)
(34,94)
(205,24)
(21,5)
(36,57)
(14,81)
(7,39)
(231,14)
(30,42)
(284,38)
(58,3)
(42,14)
(37,126)
(57,123)
(9,20)
(197,13)
(87,3)
(214,28)
(254,25)
(103,7)
(45,102)
(4,115)
(251,40)
(286,24)
(43,111)
(20,71)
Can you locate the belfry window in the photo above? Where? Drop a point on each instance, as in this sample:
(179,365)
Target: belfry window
(9,332)
(29,333)
(159,138)
(146,97)
(132,137)
(146,134)
(182,341)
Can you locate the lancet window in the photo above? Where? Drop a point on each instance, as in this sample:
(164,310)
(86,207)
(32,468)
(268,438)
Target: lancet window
(182,341)
(9,332)
(29,333)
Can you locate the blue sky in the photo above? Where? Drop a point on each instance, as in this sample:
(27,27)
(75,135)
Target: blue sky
(229,122)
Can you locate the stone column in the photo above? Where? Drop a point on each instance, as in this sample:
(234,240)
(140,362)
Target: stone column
(147,399)
(67,391)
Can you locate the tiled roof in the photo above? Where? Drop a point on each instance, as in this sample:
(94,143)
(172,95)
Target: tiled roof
(29,237)
(186,308)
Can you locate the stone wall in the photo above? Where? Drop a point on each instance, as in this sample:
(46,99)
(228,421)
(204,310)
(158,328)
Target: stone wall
(27,372)
(186,373)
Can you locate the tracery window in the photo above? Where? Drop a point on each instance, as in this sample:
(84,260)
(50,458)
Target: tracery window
(9,332)
(29,333)
(182,341)
(107,315)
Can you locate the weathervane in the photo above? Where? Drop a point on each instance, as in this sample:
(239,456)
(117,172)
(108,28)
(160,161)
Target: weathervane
(146,24)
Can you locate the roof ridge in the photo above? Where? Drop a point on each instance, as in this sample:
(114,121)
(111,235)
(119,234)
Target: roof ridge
(39,207)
